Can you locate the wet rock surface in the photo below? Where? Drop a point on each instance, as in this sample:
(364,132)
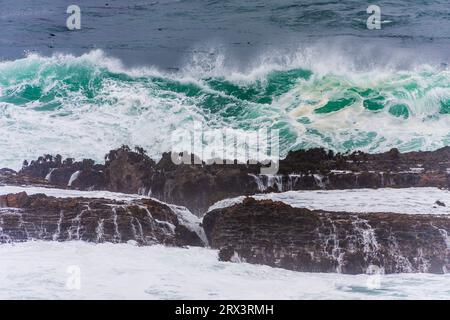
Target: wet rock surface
(276,234)
(198,186)
(39,217)
(264,232)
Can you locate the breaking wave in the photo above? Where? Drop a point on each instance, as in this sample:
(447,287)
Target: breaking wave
(83,106)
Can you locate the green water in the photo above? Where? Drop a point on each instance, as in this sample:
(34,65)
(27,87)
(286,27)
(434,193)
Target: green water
(50,101)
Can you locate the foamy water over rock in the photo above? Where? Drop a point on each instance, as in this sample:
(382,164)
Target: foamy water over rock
(279,235)
(198,186)
(26,217)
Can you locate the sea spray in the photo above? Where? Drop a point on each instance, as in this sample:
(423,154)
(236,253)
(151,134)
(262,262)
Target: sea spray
(98,103)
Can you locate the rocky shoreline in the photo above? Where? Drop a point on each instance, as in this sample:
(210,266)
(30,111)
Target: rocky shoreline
(276,234)
(263,232)
(26,217)
(197,187)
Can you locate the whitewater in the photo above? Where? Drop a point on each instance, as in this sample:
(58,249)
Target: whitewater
(42,270)
(401,200)
(39,270)
(84,106)
(137,72)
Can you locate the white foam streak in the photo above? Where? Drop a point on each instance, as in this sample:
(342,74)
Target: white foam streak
(73,178)
(38,270)
(406,200)
(68,193)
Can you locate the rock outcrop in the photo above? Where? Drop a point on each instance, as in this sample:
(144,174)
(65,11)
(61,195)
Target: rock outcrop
(39,217)
(83,175)
(126,171)
(198,186)
(266,232)
(276,234)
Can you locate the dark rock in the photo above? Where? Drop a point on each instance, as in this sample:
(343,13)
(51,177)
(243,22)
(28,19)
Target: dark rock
(88,179)
(39,168)
(6,171)
(127,171)
(60,176)
(278,235)
(226,253)
(198,186)
(187,237)
(440,203)
(56,172)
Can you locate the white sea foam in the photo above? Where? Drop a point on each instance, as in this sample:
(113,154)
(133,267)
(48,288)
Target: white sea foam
(68,193)
(96,104)
(404,200)
(74,177)
(189,220)
(39,270)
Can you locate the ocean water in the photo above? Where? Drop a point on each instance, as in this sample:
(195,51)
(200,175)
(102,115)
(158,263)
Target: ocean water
(139,70)
(77,270)
(136,72)
(46,270)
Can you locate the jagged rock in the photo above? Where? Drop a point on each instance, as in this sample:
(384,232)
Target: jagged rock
(127,171)
(56,172)
(276,234)
(198,186)
(41,167)
(145,221)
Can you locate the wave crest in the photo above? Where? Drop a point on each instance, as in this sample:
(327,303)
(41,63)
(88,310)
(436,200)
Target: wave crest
(84,106)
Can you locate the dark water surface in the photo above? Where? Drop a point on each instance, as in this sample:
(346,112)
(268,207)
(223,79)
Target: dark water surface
(165,32)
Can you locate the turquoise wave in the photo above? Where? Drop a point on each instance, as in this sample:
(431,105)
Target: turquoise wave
(84,106)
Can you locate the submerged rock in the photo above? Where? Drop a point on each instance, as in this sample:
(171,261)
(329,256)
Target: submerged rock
(39,217)
(440,203)
(278,235)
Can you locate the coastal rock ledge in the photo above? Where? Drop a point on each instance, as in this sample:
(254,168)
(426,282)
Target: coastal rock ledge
(198,186)
(278,235)
(26,217)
